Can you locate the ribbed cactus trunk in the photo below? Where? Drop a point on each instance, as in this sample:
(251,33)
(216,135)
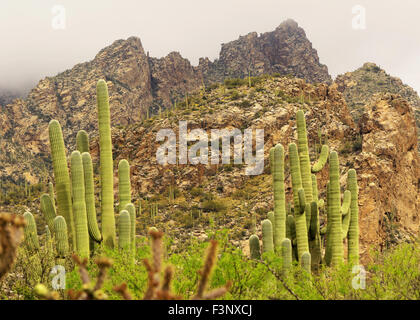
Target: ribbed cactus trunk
(305,164)
(52,196)
(267,236)
(124,185)
(61,239)
(353,234)
(107,176)
(279,231)
(286,245)
(335,214)
(93,228)
(124,230)
(30,232)
(79,205)
(131,209)
(299,201)
(47,209)
(61,177)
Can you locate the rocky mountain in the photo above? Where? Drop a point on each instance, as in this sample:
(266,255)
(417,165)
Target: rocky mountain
(7,96)
(382,147)
(137,83)
(359,86)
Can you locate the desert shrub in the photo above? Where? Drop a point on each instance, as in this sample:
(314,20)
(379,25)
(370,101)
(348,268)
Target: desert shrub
(214,205)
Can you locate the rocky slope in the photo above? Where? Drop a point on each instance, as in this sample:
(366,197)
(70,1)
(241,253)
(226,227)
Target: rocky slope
(137,83)
(360,85)
(382,148)
(7,96)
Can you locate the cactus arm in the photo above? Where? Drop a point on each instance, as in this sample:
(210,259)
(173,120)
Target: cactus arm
(346,203)
(124,186)
(51,193)
(107,175)
(295,174)
(82,141)
(132,211)
(79,205)
(305,164)
(124,230)
(286,250)
(93,228)
(322,160)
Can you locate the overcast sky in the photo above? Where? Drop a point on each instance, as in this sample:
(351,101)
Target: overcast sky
(30,48)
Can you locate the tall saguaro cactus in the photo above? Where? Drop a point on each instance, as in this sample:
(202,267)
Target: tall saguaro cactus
(335,215)
(353,234)
(93,228)
(124,185)
(277,164)
(79,205)
(61,177)
(107,178)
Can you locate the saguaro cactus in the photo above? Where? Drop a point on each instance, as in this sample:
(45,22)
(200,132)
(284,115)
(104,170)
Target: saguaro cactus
(305,164)
(52,196)
(107,178)
(279,195)
(61,177)
(267,231)
(61,239)
(93,228)
(131,209)
(124,185)
(254,247)
(353,234)
(124,230)
(306,261)
(47,209)
(334,218)
(30,232)
(286,245)
(82,141)
(79,205)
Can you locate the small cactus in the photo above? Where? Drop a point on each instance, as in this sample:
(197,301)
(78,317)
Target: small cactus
(267,231)
(124,230)
(61,239)
(306,261)
(82,141)
(124,187)
(132,211)
(254,247)
(286,250)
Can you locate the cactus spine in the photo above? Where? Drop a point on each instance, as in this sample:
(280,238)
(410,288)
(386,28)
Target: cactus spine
(353,234)
(107,178)
(93,228)
(124,230)
(61,239)
(61,177)
(254,247)
(267,232)
(279,232)
(30,232)
(79,205)
(124,186)
(47,209)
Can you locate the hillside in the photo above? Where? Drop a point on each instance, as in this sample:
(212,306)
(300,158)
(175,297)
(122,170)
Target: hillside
(359,86)
(137,83)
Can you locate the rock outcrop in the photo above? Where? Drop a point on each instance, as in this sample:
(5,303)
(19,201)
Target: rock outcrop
(285,50)
(360,85)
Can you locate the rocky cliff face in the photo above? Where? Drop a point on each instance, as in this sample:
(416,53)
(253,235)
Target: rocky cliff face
(136,83)
(359,86)
(285,50)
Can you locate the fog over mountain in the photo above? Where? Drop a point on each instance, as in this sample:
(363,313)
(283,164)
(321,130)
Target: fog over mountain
(33,49)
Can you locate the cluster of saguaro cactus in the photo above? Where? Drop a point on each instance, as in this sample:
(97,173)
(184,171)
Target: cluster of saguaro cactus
(75,218)
(297,233)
